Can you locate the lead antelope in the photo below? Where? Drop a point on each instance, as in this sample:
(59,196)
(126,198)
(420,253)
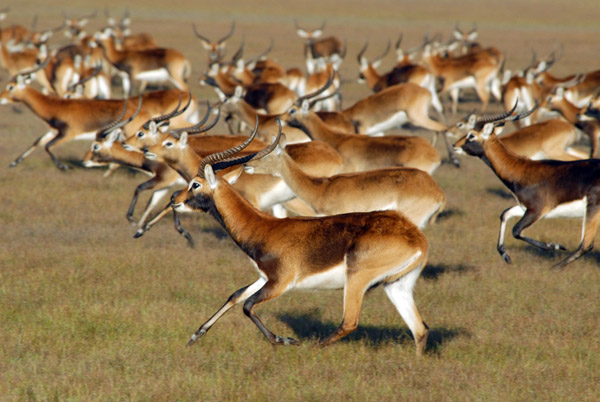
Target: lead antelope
(156,65)
(352,251)
(543,189)
(409,191)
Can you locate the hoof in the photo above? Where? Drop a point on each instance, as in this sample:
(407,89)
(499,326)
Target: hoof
(196,336)
(506,258)
(286,341)
(138,234)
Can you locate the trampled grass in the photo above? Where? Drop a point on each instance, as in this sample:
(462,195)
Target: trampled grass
(89,313)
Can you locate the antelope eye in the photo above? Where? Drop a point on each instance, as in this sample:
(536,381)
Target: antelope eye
(168,144)
(95,147)
(10,87)
(196,185)
(470,137)
(460,125)
(140,134)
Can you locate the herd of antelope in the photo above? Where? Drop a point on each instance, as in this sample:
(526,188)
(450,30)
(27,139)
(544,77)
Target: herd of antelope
(357,196)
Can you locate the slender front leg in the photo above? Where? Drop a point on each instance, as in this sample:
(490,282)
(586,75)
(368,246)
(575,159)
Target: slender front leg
(237,297)
(511,212)
(42,141)
(527,220)
(270,291)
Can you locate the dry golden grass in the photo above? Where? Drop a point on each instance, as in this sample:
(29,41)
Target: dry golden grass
(89,313)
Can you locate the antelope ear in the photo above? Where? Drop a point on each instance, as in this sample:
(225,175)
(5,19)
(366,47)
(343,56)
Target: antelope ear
(209,175)
(239,92)
(317,33)
(113,136)
(541,67)
(457,35)
(305,106)
(302,33)
(153,128)
(472,36)
(472,120)
(377,64)
(560,92)
(183,139)
(488,129)
(234,175)
(282,141)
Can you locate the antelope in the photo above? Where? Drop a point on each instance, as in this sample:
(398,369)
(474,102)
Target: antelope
(476,70)
(70,119)
(464,41)
(522,90)
(362,152)
(543,189)
(404,72)
(126,40)
(409,191)
(351,251)
(216,50)
(93,83)
(316,48)
(157,65)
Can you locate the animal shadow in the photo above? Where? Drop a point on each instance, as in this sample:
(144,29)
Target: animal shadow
(308,326)
(433,272)
(449,213)
(500,193)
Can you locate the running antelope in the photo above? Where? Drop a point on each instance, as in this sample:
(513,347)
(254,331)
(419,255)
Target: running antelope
(362,152)
(330,48)
(405,71)
(543,189)
(474,70)
(352,251)
(409,191)
(157,65)
(71,119)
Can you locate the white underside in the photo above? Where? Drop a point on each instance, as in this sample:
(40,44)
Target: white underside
(333,278)
(395,120)
(86,137)
(276,195)
(159,75)
(467,82)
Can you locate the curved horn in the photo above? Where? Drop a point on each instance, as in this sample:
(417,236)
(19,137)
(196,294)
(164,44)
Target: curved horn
(133,116)
(219,156)
(114,123)
(82,81)
(38,67)
(399,41)
(198,127)
(240,52)
(317,92)
(385,52)
(263,54)
(175,112)
(322,98)
(204,38)
(224,38)
(498,117)
(524,114)
(238,160)
(362,51)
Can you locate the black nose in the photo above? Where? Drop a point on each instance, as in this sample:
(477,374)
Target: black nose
(145,149)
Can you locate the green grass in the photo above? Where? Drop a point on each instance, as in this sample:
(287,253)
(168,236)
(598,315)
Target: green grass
(89,313)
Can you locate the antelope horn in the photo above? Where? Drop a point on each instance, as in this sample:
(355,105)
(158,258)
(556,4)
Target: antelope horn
(175,112)
(224,38)
(114,123)
(385,52)
(238,160)
(524,114)
(134,115)
(82,81)
(240,52)
(498,117)
(322,98)
(362,51)
(263,54)
(197,128)
(204,38)
(399,41)
(38,67)
(317,92)
(219,156)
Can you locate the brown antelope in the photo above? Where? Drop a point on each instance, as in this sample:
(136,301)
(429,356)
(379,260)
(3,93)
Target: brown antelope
(216,50)
(157,65)
(543,189)
(93,83)
(362,152)
(409,191)
(125,39)
(321,79)
(404,72)
(351,251)
(70,119)
(464,42)
(13,36)
(474,70)
(330,48)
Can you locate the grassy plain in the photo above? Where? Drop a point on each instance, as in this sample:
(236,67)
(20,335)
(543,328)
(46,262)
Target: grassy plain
(89,313)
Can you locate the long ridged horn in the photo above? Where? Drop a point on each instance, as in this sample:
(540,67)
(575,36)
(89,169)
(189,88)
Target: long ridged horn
(224,38)
(238,160)
(219,156)
(317,92)
(204,38)
(263,54)
(497,117)
(198,127)
(82,81)
(104,130)
(362,52)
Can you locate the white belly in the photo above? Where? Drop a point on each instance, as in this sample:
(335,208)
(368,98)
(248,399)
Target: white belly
(333,278)
(394,121)
(86,136)
(159,75)
(467,82)
(574,209)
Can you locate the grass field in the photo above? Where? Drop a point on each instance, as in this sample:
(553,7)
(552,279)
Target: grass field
(89,313)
